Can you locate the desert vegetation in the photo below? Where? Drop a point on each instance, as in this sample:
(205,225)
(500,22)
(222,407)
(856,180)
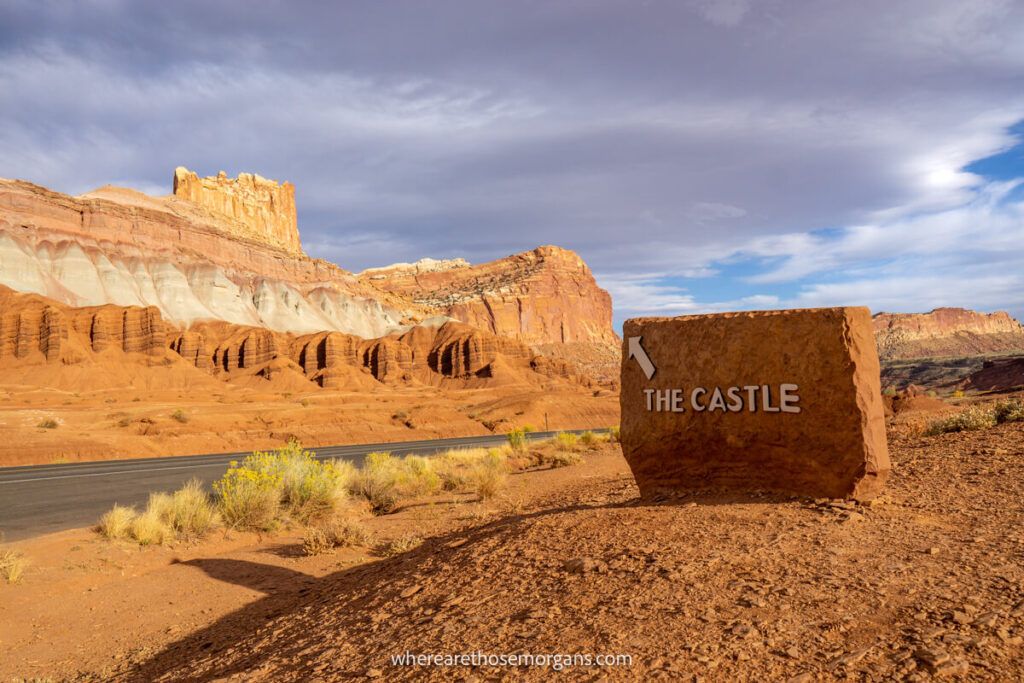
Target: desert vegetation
(291,488)
(978,417)
(12,565)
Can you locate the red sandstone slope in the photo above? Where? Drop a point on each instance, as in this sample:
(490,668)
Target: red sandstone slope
(35,330)
(543,296)
(946,332)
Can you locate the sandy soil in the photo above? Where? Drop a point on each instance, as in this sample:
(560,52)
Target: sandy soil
(926,581)
(218,417)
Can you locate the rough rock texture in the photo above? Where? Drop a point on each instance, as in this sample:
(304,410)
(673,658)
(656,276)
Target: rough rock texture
(120,247)
(255,208)
(34,329)
(228,250)
(835,446)
(946,332)
(998,374)
(543,296)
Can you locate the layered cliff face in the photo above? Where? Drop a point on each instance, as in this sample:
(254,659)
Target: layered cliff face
(249,206)
(35,330)
(544,296)
(946,332)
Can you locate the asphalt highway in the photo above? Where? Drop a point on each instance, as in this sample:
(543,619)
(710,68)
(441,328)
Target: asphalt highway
(39,499)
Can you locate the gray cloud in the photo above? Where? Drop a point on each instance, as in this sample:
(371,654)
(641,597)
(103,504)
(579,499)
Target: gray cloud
(655,138)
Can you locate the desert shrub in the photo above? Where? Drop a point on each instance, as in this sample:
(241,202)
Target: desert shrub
(336,532)
(402,544)
(562,458)
(248,496)
(124,422)
(565,441)
(487,477)
(974,418)
(400,415)
(417,477)
(288,484)
(48,423)
(149,528)
(588,438)
(12,565)
(889,391)
(528,429)
(1009,411)
(180,416)
(190,512)
(117,522)
(614,435)
(377,481)
(517,439)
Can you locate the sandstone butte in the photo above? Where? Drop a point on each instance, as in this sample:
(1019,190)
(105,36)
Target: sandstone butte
(946,332)
(228,249)
(830,443)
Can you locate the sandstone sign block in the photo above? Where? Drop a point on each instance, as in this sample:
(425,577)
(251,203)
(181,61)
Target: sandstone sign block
(778,400)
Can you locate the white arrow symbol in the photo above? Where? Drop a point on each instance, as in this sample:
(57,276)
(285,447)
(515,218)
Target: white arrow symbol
(637,351)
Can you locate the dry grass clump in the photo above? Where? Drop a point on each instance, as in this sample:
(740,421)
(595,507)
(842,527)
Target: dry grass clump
(402,544)
(12,565)
(974,418)
(48,423)
(187,513)
(336,532)
(614,435)
(483,471)
(384,480)
(179,415)
(1009,411)
(377,481)
(117,522)
(488,477)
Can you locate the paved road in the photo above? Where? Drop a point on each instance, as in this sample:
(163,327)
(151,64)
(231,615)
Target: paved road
(39,499)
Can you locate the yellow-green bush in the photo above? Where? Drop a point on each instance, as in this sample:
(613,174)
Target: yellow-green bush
(565,441)
(517,439)
(249,495)
(417,477)
(971,419)
(614,435)
(1009,411)
(289,484)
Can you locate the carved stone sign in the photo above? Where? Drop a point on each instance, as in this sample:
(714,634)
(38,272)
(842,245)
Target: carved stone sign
(776,400)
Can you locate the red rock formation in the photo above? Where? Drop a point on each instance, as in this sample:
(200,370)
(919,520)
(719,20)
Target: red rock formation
(543,296)
(828,441)
(33,330)
(227,249)
(250,206)
(946,332)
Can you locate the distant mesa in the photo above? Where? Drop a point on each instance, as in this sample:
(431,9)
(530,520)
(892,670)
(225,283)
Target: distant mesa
(946,332)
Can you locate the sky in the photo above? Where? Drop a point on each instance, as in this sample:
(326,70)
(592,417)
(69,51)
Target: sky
(700,155)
